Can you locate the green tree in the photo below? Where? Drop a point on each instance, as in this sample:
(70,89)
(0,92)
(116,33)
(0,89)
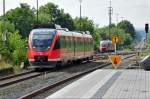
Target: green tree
(57,16)
(14,48)
(125,39)
(17,47)
(128,41)
(127,27)
(86,24)
(22,17)
(50,9)
(65,20)
(8,27)
(97,38)
(44,18)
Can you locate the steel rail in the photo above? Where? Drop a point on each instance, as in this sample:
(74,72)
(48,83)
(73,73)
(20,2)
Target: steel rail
(58,83)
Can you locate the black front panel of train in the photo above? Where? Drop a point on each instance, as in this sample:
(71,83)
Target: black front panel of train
(41,59)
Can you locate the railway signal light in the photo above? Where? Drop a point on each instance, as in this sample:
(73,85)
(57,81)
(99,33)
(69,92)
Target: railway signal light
(146,27)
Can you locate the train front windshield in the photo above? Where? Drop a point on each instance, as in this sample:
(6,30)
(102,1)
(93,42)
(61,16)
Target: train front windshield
(42,39)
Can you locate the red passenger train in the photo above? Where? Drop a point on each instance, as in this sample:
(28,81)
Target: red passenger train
(53,47)
(106,46)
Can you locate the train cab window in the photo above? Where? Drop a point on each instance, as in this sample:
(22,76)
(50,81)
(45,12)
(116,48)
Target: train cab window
(42,39)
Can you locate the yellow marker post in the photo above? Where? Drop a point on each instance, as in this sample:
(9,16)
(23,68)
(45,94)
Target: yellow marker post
(115,39)
(115,59)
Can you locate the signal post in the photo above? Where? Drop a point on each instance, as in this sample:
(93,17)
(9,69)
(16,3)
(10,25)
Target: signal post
(146,30)
(115,59)
(115,40)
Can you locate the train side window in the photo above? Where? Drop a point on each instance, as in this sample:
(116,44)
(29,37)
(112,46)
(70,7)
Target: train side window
(70,42)
(84,44)
(81,44)
(91,43)
(67,42)
(88,44)
(57,44)
(75,43)
(63,42)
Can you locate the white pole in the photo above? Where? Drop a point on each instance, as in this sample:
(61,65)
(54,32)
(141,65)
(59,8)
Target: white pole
(115,48)
(37,13)
(80,13)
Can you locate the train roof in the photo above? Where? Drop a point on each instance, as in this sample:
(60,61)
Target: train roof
(43,29)
(87,35)
(48,29)
(61,31)
(64,33)
(105,41)
(73,33)
(69,33)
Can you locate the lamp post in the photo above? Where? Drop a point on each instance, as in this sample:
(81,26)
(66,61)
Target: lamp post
(117,14)
(4,8)
(37,13)
(110,11)
(3,30)
(80,13)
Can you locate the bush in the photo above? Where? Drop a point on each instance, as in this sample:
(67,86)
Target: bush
(18,56)
(17,47)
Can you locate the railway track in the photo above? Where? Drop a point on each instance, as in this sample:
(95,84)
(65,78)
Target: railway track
(61,82)
(19,89)
(9,80)
(15,75)
(26,79)
(17,78)
(13,79)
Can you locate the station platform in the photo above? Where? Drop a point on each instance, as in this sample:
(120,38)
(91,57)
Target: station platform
(108,84)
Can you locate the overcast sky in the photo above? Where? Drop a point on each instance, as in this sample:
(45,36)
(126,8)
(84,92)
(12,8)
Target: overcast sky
(136,11)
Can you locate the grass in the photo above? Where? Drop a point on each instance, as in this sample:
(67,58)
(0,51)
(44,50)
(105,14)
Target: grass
(127,50)
(145,53)
(4,65)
